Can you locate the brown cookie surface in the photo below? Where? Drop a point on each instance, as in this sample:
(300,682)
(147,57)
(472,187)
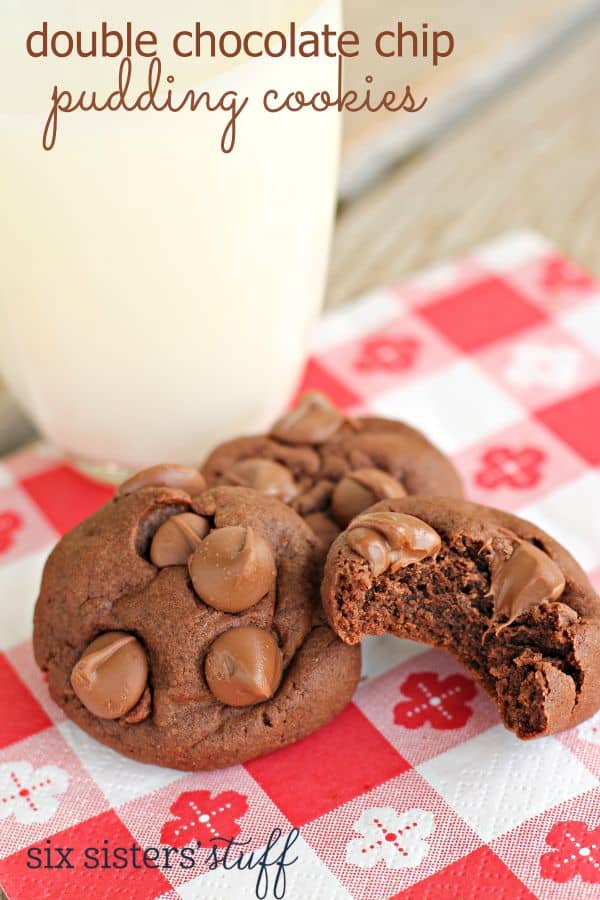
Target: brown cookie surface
(217,653)
(495,591)
(338,466)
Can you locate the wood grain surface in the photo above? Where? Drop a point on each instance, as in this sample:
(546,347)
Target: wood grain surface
(479,35)
(532,160)
(492,43)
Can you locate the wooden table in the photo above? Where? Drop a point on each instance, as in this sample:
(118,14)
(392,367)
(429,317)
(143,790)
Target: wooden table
(529,158)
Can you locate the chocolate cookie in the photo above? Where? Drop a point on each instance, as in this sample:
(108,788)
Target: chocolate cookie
(188,632)
(329,467)
(493,590)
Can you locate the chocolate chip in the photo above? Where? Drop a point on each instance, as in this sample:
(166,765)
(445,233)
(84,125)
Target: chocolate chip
(182,478)
(177,538)
(392,541)
(526,579)
(314,421)
(111,675)
(361,489)
(324,528)
(263,475)
(243,666)
(233,568)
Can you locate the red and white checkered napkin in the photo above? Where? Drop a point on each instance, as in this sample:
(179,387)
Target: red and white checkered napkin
(415,790)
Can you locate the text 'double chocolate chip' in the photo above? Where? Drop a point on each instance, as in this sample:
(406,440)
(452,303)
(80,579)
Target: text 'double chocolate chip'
(177,538)
(243,666)
(313,421)
(263,475)
(181,478)
(361,489)
(528,578)
(111,675)
(233,568)
(391,541)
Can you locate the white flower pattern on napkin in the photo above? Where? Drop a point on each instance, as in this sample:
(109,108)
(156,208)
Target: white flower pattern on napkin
(31,795)
(536,365)
(391,837)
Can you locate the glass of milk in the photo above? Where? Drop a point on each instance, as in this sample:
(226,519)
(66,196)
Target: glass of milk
(157,295)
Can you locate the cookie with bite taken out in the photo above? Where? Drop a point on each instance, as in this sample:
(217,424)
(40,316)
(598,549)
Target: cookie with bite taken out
(504,598)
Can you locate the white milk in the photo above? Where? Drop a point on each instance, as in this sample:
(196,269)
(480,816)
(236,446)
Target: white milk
(155,294)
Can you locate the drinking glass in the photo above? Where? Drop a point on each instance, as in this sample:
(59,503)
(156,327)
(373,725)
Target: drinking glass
(156,294)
